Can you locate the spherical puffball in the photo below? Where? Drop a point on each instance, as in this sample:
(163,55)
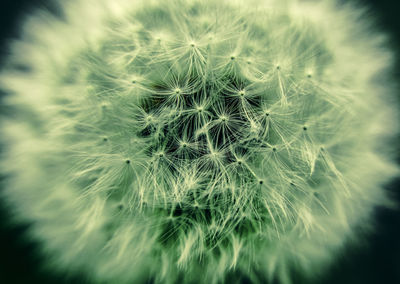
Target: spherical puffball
(189,141)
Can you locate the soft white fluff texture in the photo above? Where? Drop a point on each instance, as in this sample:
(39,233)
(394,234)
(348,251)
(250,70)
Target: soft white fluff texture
(185,141)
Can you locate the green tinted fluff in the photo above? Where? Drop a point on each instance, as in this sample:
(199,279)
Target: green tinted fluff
(192,141)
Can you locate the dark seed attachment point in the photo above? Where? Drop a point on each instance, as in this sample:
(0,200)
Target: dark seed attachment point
(128,161)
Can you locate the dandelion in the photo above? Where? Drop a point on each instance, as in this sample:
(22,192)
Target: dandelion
(182,141)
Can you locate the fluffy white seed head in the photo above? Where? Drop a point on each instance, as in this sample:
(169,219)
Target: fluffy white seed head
(170,139)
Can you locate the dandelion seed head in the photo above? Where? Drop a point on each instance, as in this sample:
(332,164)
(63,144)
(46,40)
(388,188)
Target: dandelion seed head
(171,139)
